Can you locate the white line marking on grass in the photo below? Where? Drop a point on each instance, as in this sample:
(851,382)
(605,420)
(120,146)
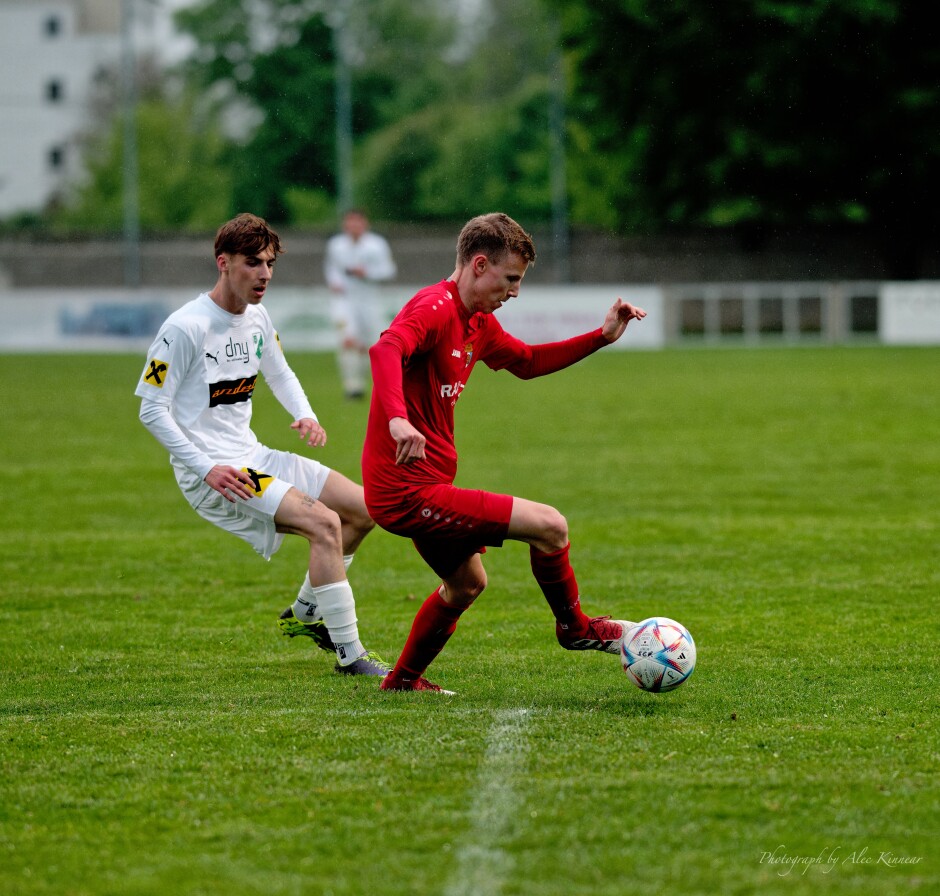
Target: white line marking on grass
(482,865)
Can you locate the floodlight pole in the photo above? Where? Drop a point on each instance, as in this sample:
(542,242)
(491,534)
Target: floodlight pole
(130,168)
(559,177)
(343,94)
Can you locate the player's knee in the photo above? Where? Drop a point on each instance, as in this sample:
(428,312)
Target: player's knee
(464,590)
(475,586)
(554,534)
(323,529)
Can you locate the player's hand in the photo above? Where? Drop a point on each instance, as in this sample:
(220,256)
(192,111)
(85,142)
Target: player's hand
(620,314)
(310,431)
(230,483)
(409,442)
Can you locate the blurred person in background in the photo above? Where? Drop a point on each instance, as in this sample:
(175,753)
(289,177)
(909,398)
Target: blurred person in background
(357,262)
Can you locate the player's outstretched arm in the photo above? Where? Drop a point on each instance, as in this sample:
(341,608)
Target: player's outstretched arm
(620,314)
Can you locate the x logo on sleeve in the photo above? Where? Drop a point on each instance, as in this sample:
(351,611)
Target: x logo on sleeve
(156,374)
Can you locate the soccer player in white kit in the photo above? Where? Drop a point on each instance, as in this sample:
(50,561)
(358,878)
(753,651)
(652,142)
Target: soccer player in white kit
(196,392)
(357,261)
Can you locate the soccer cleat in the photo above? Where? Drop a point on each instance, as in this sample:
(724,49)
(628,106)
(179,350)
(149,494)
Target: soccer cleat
(368,664)
(393,682)
(291,626)
(603,633)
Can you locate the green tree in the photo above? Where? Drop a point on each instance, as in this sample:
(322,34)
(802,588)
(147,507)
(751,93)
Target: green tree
(294,147)
(451,161)
(484,141)
(756,113)
(272,63)
(450,103)
(184,175)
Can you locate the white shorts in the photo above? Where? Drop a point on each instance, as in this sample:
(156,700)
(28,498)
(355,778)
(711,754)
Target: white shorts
(359,319)
(252,519)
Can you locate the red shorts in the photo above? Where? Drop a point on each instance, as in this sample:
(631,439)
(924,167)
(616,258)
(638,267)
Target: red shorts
(446,523)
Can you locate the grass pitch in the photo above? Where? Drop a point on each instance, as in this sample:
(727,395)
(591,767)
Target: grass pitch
(157,734)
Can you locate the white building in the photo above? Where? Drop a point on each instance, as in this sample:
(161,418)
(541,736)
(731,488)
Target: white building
(51,53)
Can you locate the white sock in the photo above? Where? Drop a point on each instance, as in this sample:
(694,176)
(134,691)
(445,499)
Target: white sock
(305,606)
(350,370)
(337,607)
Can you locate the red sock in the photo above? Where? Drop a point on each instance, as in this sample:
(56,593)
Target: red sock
(556,578)
(434,624)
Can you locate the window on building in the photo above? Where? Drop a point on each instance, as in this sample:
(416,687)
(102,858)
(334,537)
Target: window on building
(55,90)
(57,158)
(53,26)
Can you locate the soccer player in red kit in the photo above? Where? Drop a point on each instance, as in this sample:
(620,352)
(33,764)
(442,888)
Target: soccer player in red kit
(420,365)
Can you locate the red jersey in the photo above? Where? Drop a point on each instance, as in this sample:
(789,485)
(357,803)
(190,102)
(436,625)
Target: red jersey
(420,366)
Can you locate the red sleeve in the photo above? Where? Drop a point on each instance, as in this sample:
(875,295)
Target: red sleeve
(529,361)
(414,330)
(386,358)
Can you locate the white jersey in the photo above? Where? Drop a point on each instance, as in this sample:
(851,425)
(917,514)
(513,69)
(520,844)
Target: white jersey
(354,305)
(197,384)
(370,252)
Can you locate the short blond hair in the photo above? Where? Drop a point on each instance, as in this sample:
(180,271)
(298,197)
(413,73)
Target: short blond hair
(495,235)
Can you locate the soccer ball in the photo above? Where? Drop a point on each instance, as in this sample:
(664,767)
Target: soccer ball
(658,654)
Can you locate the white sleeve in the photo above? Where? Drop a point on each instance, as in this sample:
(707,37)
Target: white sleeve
(284,384)
(156,416)
(157,390)
(333,267)
(380,265)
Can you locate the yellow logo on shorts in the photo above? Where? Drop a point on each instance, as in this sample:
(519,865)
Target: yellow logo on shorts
(259,481)
(156,373)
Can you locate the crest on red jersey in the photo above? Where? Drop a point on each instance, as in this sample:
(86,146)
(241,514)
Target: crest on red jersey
(468,354)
